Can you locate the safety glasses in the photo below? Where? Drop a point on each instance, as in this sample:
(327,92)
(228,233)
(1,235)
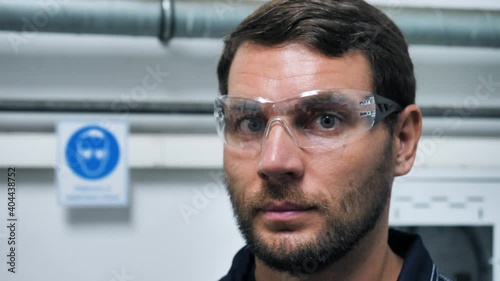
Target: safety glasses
(313,119)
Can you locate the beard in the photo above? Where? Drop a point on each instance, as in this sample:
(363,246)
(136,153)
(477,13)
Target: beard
(354,214)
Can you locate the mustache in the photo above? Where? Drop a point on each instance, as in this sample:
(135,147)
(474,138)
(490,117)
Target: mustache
(283,191)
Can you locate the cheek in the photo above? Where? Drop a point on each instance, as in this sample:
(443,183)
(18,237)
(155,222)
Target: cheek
(241,171)
(340,171)
(336,166)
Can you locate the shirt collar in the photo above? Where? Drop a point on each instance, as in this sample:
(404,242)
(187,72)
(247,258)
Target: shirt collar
(243,267)
(417,265)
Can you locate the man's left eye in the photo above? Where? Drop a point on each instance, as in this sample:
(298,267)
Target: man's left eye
(326,121)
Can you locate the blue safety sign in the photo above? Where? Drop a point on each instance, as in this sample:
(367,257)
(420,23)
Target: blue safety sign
(91,163)
(93,151)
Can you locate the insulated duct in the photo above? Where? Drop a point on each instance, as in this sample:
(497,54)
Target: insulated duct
(169,19)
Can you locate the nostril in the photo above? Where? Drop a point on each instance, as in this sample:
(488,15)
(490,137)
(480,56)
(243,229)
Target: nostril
(278,175)
(263,176)
(289,176)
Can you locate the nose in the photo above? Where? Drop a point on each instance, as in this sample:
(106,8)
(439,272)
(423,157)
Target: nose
(280,158)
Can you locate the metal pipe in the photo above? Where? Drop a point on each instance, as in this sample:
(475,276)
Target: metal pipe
(427,26)
(16,105)
(201,108)
(209,19)
(168,19)
(139,18)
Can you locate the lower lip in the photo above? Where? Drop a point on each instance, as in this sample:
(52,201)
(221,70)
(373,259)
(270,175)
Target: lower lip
(285,215)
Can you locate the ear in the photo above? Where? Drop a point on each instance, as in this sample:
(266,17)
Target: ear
(406,136)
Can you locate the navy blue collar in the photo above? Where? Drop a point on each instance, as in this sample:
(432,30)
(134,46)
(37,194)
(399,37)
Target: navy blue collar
(417,266)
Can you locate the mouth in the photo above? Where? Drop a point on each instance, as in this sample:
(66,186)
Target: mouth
(285,211)
(283,206)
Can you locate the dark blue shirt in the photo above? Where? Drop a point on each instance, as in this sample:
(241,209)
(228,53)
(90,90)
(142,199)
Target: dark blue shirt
(417,266)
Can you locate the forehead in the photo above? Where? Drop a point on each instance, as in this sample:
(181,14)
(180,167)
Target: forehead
(278,73)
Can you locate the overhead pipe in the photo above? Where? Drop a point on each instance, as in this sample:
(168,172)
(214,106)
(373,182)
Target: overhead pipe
(167,19)
(163,19)
(137,18)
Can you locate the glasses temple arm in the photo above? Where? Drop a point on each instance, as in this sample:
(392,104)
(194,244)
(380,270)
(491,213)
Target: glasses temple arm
(385,107)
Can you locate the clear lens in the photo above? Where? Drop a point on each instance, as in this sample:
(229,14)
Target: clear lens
(327,118)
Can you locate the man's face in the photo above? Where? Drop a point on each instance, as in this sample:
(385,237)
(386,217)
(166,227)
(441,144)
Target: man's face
(296,206)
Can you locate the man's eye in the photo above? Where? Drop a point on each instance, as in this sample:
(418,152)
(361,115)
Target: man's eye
(251,125)
(325,121)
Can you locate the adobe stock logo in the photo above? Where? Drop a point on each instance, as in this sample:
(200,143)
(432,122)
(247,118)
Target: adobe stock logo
(46,10)
(203,197)
(121,275)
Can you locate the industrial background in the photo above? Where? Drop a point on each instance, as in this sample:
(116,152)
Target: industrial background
(76,59)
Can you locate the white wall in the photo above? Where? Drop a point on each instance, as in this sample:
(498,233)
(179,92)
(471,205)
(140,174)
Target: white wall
(151,239)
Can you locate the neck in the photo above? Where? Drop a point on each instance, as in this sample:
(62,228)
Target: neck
(371,259)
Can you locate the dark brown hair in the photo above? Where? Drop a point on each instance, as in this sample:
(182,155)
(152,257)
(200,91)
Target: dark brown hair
(333,28)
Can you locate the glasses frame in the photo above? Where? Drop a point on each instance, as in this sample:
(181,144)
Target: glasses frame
(384,107)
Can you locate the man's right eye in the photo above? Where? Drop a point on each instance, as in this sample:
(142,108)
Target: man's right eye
(250,125)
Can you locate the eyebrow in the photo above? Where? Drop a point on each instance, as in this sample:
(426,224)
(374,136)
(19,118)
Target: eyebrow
(323,98)
(245,105)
